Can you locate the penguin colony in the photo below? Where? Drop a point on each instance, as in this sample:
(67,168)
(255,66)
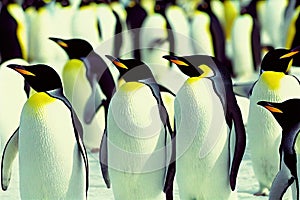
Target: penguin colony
(156,88)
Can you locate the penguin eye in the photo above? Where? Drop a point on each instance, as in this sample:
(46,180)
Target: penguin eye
(273,109)
(179,62)
(119,64)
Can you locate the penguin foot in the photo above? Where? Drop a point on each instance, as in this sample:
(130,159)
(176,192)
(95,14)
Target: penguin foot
(262,192)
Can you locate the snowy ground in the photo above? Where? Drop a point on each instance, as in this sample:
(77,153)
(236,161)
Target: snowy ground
(247,183)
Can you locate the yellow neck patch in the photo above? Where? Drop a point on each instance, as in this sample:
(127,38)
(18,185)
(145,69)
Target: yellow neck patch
(272,79)
(207,72)
(40,98)
(131,86)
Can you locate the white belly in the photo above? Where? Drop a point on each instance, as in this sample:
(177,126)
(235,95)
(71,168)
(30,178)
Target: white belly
(51,166)
(264,133)
(202,143)
(136,153)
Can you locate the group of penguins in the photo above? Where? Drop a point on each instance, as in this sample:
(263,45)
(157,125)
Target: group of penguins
(157,88)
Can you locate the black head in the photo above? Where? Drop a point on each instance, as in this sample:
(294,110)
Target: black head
(286,113)
(278,60)
(192,66)
(75,48)
(40,77)
(131,69)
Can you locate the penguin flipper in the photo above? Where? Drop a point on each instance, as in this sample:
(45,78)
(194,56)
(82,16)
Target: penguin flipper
(164,89)
(9,155)
(171,171)
(280,184)
(103,159)
(92,105)
(240,142)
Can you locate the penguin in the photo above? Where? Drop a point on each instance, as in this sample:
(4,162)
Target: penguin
(274,12)
(217,35)
(134,71)
(52,165)
(96,80)
(13,32)
(286,114)
(292,30)
(48,20)
(273,85)
(203,146)
(12,100)
(85,24)
(96,72)
(136,15)
(246,62)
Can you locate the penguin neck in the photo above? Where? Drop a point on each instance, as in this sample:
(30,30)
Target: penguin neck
(59,94)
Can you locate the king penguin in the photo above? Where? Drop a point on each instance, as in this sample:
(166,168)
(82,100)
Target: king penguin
(11,104)
(53,160)
(95,79)
(264,135)
(203,164)
(246,35)
(287,116)
(13,29)
(134,149)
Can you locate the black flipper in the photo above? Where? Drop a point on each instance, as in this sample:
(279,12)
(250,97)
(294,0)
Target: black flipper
(164,89)
(9,154)
(171,171)
(78,130)
(103,158)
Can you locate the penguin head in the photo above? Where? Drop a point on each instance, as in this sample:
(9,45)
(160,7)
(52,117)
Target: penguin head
(278,60)
(131,69)
(286,113)
(40,77)
(200,66)
(75,48)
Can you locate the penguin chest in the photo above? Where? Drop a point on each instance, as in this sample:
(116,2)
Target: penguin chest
(201,135)
(47,152)
(136,153)
(261,124)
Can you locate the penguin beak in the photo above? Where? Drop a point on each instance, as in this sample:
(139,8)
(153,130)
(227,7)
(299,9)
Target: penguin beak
(21,69)
(59,41)
(175,60)
(292,53)
(116,62)
(269,106)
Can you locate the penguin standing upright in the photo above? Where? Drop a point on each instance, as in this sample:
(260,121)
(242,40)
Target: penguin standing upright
(217,34)
(13,32)
(94,78)
(12,100)
(138,137)
(46,23)
(264,135)
(85,24)
(205,108)
(246,62)
(287,116)
(53,161)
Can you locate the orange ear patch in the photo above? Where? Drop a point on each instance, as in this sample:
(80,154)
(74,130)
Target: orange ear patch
(119,64)
(273,109)
(25,72)
(289,54)
(62,44)
(178,62)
